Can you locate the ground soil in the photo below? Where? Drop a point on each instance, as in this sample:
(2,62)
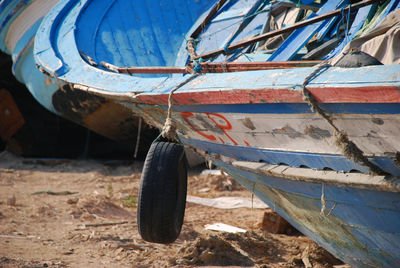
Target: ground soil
(79,213)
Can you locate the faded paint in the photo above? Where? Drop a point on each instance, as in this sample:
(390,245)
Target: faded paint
(377,121)
(372,94)
(317,133)
(248,123)
(330,177)
(106,117)
(331,229)
(207,124)
(76,104)
(287,130)
(301,204)
(113,121)
(33,13)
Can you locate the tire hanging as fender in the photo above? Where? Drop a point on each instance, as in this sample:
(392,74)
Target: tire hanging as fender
(162,193)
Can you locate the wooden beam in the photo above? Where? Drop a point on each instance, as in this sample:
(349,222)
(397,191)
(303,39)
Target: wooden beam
(152,70)
(208,18)
(306,7)
(228,67)
(247,19)
(219,67)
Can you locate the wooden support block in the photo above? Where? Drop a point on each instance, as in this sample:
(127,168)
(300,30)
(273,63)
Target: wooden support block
(272,222)
(11,119)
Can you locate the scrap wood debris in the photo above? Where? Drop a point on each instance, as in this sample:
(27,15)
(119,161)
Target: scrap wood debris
(49,192)
(100,224)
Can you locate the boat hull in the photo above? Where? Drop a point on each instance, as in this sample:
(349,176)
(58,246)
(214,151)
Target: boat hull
(20,21)
(354,218)
(356,224)
(279,134)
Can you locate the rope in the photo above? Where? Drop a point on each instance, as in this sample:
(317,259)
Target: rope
(191,47)
(323,202)
(349,148)
(223,66)
(197,67)
(138,138)
(169,128)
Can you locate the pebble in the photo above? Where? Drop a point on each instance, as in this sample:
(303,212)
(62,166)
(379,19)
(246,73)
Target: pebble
(11,201)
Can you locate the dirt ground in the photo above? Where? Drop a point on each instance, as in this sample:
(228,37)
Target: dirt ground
(76,213)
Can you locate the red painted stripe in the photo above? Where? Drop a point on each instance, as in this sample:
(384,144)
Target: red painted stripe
(383,94)
(372,94)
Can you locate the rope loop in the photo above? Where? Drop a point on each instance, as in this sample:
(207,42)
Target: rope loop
(191,44)
(169,129)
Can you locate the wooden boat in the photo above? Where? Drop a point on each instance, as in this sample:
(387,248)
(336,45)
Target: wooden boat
(246,83)
(19,22)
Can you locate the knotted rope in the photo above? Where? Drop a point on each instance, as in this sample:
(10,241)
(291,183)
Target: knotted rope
(349,149)
(169,128)
(191,47)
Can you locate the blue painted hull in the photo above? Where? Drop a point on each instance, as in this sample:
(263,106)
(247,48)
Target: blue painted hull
(159,40)
(360,226)
(253,116)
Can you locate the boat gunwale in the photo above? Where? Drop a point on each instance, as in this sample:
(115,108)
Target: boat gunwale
(122,86)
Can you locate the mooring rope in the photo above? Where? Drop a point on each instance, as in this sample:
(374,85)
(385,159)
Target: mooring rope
(138,138)
(169,128)
(349,149)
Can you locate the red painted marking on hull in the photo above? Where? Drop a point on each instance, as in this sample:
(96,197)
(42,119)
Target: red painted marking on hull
(185,116)
(216,119)
(372,94)
(225,127)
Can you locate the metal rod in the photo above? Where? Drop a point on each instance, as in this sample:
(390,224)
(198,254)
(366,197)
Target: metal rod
(284,30)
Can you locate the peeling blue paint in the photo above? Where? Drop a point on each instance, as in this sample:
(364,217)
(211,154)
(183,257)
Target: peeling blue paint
(362,229)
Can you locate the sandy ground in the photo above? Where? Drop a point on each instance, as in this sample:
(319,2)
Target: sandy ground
(83,214)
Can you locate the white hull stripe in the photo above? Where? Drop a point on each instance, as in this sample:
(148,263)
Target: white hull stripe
(25,20)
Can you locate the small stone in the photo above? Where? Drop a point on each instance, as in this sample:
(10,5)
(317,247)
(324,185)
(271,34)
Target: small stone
(73,201)
(69,252)
(204,190)
(11,201)
(118,251)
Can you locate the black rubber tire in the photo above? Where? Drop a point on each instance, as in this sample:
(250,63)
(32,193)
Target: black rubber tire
(162,193)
